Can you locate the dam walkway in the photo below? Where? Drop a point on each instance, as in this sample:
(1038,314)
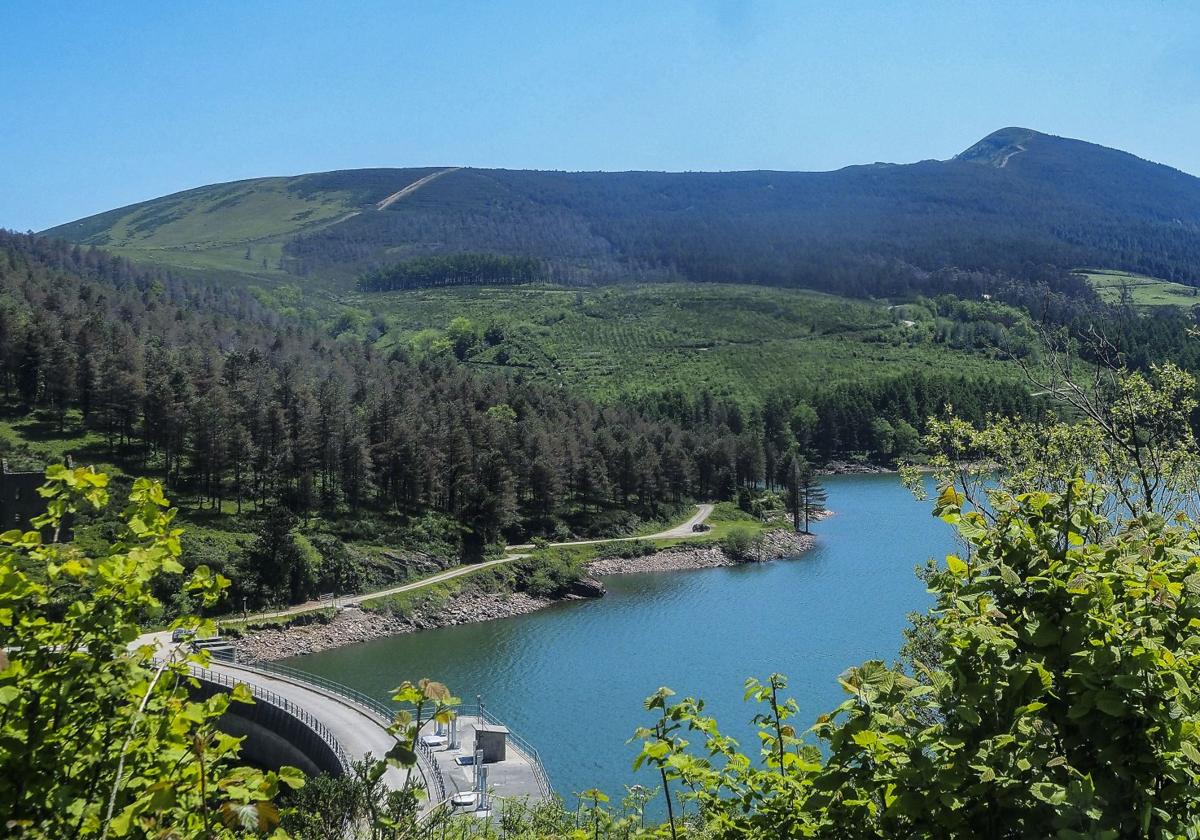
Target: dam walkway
(334,726)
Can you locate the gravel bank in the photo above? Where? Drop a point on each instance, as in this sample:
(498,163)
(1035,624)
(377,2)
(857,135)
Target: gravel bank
(777,544)
(351,626)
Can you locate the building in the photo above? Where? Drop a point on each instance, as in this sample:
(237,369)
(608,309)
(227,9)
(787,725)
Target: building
(20,501)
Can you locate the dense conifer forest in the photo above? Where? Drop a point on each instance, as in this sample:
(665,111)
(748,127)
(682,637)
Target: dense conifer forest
(231,403)
(1012,204)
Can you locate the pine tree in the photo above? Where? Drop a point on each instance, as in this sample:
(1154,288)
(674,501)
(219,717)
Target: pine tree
(812,495)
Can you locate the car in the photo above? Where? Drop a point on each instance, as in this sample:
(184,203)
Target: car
(181,634)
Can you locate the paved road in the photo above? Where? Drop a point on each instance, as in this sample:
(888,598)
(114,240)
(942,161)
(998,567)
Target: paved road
(514,552)
(356,729)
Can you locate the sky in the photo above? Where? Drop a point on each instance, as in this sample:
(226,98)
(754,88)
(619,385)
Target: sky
(107,104)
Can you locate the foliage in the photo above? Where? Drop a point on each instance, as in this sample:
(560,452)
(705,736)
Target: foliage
(864,230)
(96,738)
(806,498)
(1060,700)
(743,544)
(624,550)
(253,416)
(549,573)
(453,270)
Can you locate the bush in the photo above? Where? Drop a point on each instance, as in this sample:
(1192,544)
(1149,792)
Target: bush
(549,574)
(625,550)
(730,512)
(743,544)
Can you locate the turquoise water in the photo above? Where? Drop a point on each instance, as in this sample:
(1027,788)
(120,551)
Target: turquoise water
(571,679)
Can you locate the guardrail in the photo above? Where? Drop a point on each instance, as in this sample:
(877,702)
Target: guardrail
(384,713)
(282,703)
(531,753)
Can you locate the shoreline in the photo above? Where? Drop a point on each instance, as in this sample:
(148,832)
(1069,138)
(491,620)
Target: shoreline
(355,625)
(778,544)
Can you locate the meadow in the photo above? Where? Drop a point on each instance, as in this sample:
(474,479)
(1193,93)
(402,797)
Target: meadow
(1142,291)
(633,340)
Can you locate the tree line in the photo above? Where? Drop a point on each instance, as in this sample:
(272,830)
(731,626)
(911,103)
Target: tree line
(453,270)
(230,404)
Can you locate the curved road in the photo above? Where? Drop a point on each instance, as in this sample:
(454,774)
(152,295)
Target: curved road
(360,730)
(515,552)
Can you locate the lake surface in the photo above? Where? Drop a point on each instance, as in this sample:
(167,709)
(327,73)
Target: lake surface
(571,679)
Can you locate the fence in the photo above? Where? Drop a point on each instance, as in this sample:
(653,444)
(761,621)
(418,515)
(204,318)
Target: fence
(386,712)
(318,730)
(521,745)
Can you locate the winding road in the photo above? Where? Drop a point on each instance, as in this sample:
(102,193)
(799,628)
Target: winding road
(684,530)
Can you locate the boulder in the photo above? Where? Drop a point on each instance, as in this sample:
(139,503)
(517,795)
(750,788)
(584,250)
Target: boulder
(588,587)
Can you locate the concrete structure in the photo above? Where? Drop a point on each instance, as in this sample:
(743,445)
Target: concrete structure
(518,774)
(320,725)
(20,501)
(275,732)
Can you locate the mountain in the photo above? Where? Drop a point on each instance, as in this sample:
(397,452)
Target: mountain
(1015,200)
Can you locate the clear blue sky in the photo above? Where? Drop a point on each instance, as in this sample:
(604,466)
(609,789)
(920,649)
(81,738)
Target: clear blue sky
(105,104)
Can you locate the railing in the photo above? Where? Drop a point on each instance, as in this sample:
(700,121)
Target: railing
(522,745)
(387,711)
(282,703)
(435,783)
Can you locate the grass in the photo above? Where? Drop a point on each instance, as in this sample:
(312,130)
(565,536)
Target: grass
(237,627)
(1143,292)
(616,341)
(406,603)
(239,226)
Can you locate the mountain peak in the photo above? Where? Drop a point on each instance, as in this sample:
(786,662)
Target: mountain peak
(1000,146)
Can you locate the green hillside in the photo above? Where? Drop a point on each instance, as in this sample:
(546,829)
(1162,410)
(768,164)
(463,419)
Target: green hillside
(1119,287)
(1015,200)
(624,340)
(242,226)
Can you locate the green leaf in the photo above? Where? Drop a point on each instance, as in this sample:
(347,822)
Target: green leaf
(1110,703)
(292,776)
(1189,749)
(957,567)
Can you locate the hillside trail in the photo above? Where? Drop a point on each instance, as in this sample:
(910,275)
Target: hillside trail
(413,187)
(685,530)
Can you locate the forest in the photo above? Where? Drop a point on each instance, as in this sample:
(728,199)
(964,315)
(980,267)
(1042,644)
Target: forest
(1018,204)
(453,270)
(239,410)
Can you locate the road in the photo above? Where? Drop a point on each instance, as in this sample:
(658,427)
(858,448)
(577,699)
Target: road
(513,552)
(413,187)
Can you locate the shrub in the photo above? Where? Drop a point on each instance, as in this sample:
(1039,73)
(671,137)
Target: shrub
(625,550)
(743,544)
(548,574)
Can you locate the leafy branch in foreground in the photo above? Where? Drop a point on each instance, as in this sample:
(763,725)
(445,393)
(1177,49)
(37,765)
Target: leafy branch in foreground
(1060,702)
(96,739)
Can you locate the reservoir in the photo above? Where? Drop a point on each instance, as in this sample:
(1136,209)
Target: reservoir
(571,679)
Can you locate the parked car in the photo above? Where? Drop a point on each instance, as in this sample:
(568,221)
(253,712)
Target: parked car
(181,634)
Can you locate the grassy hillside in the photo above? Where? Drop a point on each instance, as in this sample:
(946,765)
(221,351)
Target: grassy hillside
(241,226)
(1118,287)
(1016,199)
(633,340)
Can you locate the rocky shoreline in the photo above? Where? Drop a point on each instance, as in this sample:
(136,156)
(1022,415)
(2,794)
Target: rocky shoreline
(854,468)
(777,544)
(353,625)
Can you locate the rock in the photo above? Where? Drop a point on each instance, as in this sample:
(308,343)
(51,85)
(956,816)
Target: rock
(588,587)
(777,543)
(353,626)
